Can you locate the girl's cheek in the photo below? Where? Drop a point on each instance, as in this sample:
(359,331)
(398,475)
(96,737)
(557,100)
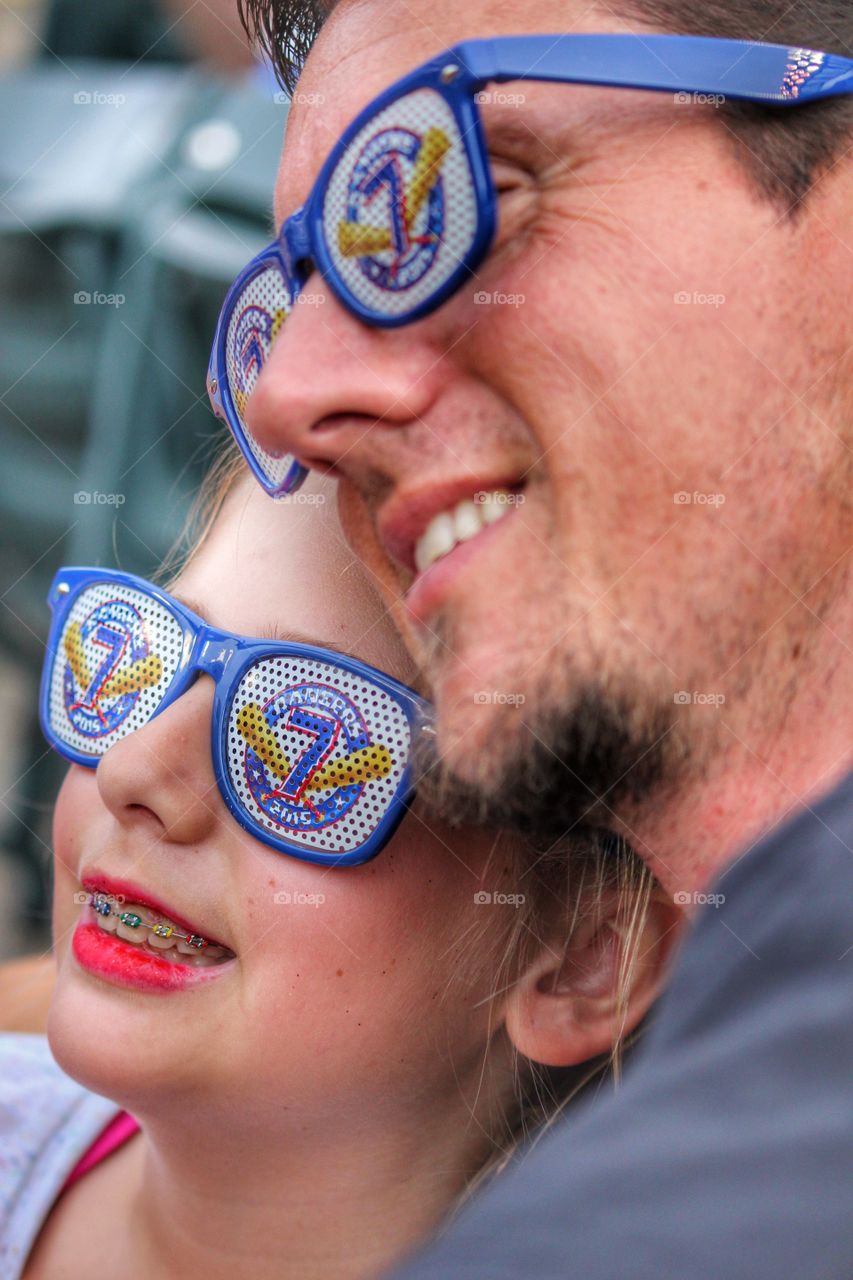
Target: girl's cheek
(74,820)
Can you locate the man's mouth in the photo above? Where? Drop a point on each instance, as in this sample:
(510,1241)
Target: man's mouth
(422,526)
(461,523)
(141,923)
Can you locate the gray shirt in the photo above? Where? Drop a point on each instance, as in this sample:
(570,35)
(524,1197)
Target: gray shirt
(728,1152)
(47,1122)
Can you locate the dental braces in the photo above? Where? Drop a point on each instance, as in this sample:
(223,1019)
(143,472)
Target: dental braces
(103,907)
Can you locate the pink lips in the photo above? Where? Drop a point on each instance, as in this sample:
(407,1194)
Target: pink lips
(126,965)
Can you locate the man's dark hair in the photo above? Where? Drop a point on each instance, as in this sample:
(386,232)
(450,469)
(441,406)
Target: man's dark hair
(783,149)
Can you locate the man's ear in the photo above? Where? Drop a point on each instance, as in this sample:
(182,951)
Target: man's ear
(576,1000)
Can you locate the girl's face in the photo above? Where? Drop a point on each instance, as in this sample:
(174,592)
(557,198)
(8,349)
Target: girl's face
(348,996)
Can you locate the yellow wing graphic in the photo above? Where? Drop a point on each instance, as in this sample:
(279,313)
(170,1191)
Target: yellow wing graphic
(139,675)
(363,765)
(73,645)
(434,147)
(253,728)
(356,240)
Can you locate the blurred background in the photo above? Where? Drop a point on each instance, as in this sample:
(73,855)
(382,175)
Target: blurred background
(138,150)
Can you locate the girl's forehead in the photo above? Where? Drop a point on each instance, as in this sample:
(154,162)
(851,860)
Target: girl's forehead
(271,568)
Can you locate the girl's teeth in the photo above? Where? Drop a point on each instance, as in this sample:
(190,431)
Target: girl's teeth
(128,932)
(160,943)
(187,949)
(464,522)
(169,946)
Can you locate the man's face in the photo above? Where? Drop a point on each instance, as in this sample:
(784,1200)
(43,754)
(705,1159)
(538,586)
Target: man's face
(646,368)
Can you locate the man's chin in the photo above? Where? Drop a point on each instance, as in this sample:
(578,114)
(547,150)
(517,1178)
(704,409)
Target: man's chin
(523,763)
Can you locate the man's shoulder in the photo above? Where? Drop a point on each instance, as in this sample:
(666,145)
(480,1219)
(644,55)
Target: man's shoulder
(823,827)
(779,914)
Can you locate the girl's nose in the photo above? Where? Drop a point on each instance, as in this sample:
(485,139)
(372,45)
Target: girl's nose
(162,775)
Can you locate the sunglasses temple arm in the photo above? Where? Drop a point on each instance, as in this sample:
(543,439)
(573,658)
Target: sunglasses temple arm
(667,63)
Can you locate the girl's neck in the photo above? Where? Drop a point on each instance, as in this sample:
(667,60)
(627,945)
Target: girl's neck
(296,1209)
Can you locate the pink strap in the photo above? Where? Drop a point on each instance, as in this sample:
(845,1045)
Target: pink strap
(119,1129)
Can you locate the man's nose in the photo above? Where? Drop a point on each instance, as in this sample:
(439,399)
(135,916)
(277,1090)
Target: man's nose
(329,369)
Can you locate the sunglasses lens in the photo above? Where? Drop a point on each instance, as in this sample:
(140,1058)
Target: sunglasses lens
(400,208)
(316,755)
(109,667)
(256,317)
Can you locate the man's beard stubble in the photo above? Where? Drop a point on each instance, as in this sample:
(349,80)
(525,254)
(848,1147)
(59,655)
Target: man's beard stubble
(553,767)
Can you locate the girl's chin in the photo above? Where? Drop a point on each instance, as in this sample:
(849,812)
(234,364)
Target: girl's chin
(113,1043)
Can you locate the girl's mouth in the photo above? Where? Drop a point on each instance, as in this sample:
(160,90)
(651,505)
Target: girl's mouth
(155,933)
(113,941)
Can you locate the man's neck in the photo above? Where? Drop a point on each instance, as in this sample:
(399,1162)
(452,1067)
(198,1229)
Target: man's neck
(762,769)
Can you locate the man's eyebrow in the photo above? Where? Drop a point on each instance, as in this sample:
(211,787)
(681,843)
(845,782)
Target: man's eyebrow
(275,634)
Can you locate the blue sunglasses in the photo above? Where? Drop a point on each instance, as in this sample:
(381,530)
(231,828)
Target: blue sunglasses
(404,209)
(311,749)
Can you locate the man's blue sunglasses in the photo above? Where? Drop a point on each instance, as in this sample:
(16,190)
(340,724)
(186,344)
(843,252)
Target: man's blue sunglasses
(404,209)
(311,749)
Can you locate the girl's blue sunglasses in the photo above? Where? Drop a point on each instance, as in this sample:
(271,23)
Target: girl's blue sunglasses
(403,210)
(311,749)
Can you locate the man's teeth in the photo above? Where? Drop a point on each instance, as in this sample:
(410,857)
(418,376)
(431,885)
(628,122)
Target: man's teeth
(171,945)
(460,524)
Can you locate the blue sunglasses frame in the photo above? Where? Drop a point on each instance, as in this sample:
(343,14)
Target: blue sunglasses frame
(752,71)
(225,657)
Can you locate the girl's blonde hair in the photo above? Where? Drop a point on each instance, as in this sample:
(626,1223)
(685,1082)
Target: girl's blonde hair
(590,878)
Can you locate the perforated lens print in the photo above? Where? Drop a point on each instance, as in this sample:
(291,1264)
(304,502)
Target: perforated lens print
(256,317)
(114,660)
(400,211)
(315,753)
